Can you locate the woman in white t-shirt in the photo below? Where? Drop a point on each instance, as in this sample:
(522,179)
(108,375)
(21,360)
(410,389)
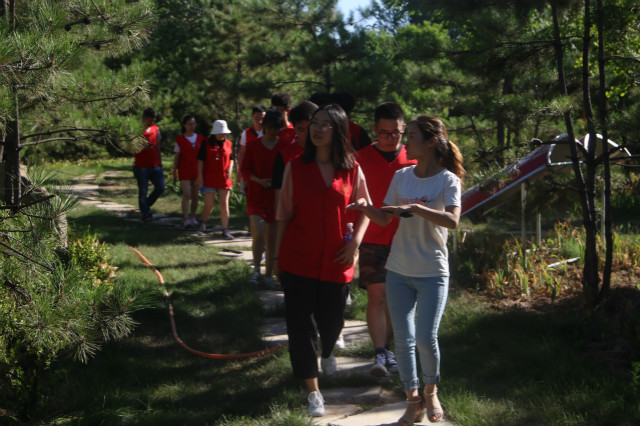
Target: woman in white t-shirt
(427,198)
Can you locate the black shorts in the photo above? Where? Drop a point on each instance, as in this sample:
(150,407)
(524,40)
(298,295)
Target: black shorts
(373,258)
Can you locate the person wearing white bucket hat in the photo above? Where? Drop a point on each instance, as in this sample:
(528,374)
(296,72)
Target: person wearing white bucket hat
(215,163)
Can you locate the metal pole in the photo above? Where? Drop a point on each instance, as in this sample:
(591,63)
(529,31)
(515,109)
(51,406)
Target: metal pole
(539,228)
(523,202)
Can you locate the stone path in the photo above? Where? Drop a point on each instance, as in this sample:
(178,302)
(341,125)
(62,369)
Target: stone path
(345,406)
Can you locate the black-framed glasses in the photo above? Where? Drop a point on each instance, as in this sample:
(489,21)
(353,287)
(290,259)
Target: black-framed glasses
(390,135)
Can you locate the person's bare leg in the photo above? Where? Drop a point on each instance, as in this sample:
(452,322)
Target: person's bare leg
(223,202)
(376,315)
(194,198)
(186,196)
(258,231)
(270,247)
(209,201)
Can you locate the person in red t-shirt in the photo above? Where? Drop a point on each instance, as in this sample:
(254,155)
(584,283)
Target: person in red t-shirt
(257,168)
(250,134)
(359,136)
(282,101)
(300,116)
(317,244)
(185,167)
(215,163)
(379,163)
(147,165)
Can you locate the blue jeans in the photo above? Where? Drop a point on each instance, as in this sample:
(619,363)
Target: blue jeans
(143,176)
(426,297)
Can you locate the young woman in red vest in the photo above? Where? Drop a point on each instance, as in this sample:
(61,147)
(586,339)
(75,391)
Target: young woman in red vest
(185,165)
(315,245)
(257,169)
(215,163)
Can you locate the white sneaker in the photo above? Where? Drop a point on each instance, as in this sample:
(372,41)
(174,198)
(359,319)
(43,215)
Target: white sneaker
(316,404)
(255,276)
(329,365)
(340,342)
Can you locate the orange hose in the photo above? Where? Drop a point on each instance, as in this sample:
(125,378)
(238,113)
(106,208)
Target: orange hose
(175,331)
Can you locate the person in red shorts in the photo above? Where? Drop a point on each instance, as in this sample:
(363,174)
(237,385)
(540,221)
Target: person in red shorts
(315,260)
(147,165)
(379,163)
(215,163)
(185,167)
(257,169)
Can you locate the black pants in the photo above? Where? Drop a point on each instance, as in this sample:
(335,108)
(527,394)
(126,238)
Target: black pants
(312,307)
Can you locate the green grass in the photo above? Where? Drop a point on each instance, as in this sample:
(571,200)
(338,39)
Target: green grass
(498,368)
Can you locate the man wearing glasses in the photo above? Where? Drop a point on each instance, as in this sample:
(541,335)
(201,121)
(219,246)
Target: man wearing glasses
(379,161)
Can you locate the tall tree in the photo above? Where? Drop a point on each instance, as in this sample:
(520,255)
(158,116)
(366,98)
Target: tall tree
(43,42)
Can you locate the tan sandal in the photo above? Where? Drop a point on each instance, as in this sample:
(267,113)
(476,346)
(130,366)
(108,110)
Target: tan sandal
(408,419)
(435,414)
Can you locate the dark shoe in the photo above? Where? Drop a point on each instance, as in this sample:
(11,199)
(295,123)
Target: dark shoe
(226,234)
(147,218)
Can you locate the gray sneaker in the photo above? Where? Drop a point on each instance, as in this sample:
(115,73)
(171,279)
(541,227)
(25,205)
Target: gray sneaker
(392,364)
(379,367)
(226,234)
(316,404)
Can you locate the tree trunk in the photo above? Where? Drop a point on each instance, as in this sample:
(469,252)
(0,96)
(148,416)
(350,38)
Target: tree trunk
(12,160)
(602,118)
(590,267)
(3,8)
(590,279)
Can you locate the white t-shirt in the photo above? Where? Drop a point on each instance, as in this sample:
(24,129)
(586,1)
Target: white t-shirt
(419,248)
(193,138)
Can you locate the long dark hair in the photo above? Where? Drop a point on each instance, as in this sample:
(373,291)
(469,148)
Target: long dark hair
(447,152)
(341,149)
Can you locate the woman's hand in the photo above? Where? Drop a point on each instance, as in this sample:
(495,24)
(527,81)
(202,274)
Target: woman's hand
(359,205)
(400,211)
(348,254)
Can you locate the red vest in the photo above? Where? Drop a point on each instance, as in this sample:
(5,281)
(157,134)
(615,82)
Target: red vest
(315,233)
(252,135)
(149,157)
(188,163)
(290,152)
(217,163)
(355,131)
(379,173)
(258,160)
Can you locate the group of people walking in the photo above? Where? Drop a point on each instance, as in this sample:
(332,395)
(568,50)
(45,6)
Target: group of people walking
(311,197)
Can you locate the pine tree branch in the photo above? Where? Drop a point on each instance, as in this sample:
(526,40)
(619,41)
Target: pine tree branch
(68,139)
(625,58)
(22,206)
(24,256)
(53,132)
